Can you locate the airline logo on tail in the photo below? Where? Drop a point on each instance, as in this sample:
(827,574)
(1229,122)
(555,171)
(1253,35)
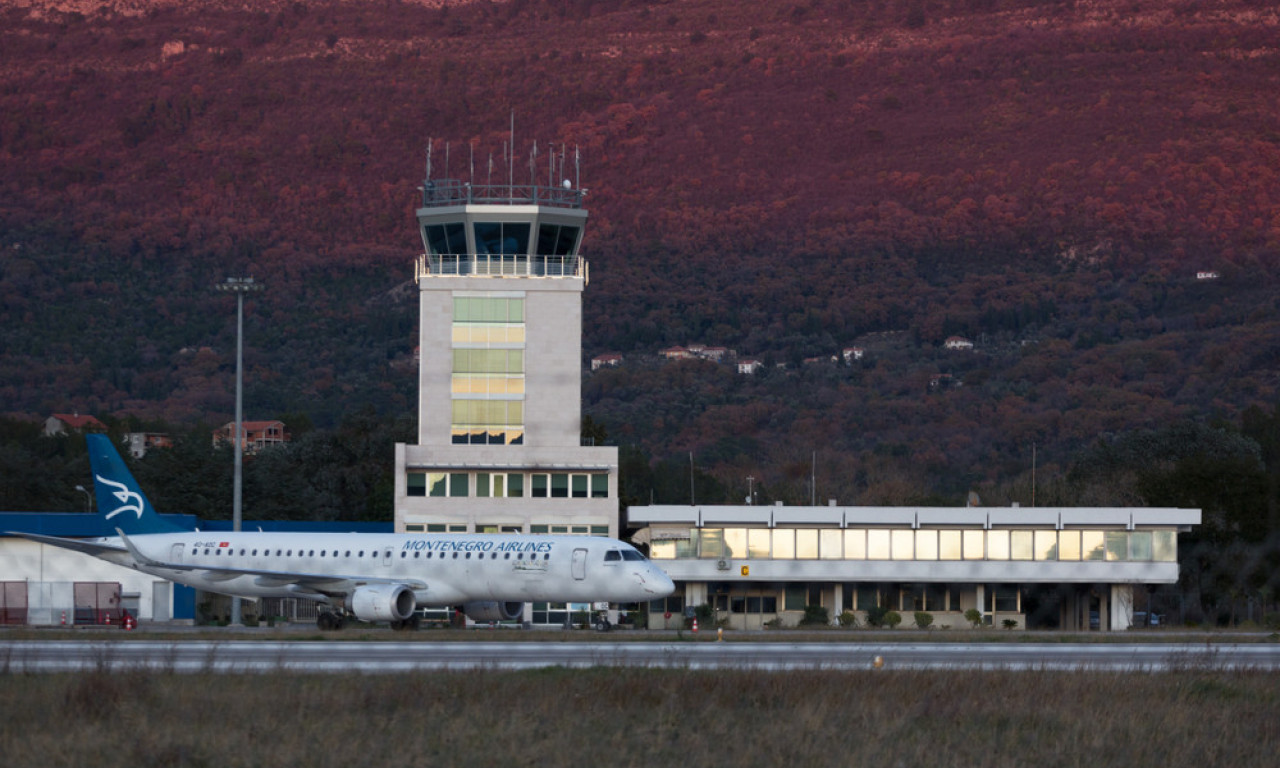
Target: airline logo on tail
(129,501)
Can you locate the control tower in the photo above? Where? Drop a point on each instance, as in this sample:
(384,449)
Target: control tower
(499,386)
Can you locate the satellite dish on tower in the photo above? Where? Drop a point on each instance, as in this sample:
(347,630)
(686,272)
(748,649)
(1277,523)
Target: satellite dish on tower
(567,184)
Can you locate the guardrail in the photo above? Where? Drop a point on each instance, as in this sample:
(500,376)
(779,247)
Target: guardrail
(446,192)
(498,265)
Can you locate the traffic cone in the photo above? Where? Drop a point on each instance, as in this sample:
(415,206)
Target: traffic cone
(108,619)
(695,625)
(64,618)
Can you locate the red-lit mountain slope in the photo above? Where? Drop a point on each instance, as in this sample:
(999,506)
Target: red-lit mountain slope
(780,178)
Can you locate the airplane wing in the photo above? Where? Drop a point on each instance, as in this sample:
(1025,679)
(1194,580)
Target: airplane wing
(95,547)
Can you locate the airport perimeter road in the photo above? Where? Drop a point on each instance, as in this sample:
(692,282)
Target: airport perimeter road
(28,656)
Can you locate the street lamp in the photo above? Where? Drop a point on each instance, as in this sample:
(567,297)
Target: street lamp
(88,498)
(239,286)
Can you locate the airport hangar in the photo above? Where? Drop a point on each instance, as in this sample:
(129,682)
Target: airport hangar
(760,564)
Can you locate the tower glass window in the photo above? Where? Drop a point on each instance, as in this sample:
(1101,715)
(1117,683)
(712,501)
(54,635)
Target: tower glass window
(488,376)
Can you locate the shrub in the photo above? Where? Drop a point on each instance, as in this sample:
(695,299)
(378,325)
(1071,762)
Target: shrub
(848,619)
(923,619)
(875,615)
(1009,624)
(892,619)
(973,617)
(815,615)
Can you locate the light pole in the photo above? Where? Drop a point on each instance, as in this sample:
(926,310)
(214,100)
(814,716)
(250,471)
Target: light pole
(239,286)
(88,498)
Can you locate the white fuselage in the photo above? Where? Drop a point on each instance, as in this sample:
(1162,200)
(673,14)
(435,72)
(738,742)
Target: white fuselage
(441,569)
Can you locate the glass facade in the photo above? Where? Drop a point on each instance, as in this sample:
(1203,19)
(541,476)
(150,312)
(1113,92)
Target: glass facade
(922,544)
(508,485)
(488,373)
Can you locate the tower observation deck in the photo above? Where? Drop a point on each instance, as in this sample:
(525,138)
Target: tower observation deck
(501,230)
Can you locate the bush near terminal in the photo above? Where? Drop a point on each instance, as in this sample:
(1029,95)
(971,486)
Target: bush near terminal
(641,717)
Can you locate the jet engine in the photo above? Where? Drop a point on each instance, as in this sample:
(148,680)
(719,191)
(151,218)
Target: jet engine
(383,602)
(489,610)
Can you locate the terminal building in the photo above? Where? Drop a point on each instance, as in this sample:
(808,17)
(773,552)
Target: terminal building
(760,565)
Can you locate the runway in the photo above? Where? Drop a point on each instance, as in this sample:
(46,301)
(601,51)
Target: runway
(245,656)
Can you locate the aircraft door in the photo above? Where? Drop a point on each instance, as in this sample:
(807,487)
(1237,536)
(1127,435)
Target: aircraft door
(579,564)
(175,553)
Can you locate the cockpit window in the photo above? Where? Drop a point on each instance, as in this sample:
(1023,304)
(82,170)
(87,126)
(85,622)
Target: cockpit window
(612,555)
(631,554)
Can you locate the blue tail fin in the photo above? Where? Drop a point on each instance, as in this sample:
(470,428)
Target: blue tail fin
(120,500)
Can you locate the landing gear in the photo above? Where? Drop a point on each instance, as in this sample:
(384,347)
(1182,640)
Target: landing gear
(329,621)
(411,623)
(602,622)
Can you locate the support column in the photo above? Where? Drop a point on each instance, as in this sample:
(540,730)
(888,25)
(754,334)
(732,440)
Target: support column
(1121,607)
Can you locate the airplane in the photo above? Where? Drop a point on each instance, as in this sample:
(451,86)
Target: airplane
(371,577)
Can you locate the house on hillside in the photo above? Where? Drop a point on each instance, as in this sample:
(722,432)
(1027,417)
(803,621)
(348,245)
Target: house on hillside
(819,359)
(1207,275)
(602,361)
(749,366)
(715,354)
(676,353)
(139,443)
(257,434)
(66,423)
(852,353)
(943,381)
(957,342)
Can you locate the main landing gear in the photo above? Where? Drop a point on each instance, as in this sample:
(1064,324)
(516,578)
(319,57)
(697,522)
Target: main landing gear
(329,621)
(413,622)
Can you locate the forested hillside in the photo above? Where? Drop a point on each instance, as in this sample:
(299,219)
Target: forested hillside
(783,179)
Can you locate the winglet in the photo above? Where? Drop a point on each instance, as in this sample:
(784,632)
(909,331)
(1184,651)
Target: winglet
(138,557)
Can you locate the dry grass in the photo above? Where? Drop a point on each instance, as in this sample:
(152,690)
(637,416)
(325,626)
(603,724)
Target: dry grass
(641,717)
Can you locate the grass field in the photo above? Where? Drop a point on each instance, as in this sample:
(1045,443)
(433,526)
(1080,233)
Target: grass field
(642,717)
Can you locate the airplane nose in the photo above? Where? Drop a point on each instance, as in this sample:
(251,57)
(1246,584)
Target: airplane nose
(661,583)
(653,582)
